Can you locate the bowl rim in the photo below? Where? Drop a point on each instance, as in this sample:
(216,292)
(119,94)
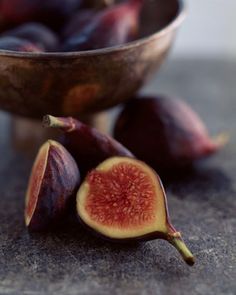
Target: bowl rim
(174,24)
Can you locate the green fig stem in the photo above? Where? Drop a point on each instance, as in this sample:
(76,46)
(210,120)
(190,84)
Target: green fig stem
(176,240)
(65,124)
(221,139)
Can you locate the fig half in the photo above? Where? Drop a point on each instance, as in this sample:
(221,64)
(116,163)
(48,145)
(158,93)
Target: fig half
(53,182)
(123,199)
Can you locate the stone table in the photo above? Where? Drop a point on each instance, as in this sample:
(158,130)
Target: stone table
(202,204)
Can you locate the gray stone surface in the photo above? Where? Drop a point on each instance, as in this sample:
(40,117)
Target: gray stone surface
(202,205)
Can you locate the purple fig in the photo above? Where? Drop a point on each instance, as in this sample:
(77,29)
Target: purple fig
(52,11)
(165,133)
(36,33)
(16,44)
(52,186)
(112,26)
(78,22)
(87,145)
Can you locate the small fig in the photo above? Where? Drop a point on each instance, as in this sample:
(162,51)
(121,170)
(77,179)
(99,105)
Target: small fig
(53,183)
(78,22)
(123,199)
(50,11)
(55,12)
(36,33)
(87,145)
(18,11)
(16,44)
(165,133)
(112,26)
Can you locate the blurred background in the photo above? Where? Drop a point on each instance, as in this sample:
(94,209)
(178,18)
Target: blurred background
(209,30)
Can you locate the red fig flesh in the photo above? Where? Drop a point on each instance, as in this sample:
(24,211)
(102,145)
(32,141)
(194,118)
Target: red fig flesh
(112,26)
(165,133)
(123,199)
(53,182)
(88,146)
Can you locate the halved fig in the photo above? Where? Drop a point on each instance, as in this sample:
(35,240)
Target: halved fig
(53,182)
(123,199)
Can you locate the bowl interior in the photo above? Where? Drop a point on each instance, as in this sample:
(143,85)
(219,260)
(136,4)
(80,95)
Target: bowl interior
(157,14)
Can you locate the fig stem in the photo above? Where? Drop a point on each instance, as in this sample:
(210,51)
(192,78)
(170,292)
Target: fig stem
(180,245)
(221,139)
(56,122)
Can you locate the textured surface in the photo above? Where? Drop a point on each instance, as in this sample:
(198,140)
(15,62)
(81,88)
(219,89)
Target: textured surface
(202,206)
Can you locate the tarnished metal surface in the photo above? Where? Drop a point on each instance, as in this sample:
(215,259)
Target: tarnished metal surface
(83,82)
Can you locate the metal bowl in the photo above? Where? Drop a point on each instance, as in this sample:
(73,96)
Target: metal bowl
(33,84)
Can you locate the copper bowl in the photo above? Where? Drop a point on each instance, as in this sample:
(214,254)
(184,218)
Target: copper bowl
(79,83)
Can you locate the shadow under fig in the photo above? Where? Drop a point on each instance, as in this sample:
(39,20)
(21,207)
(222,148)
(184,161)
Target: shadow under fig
(72,242)
(205,184)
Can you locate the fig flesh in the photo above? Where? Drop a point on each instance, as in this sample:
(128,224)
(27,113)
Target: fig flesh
(165,133)
(87,145)
(52,186)
(16,44)
(123,199)
(113,26)
(36,33)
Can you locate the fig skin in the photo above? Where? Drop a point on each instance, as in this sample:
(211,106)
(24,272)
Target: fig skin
(78,22)
(165,133)
(54,12)
(53,183)
(123,200)
(36,33)
(113,26)
(87,145)
(16,44)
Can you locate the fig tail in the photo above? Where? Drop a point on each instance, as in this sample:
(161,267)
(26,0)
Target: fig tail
(176,240)
(220,140)
(65,124)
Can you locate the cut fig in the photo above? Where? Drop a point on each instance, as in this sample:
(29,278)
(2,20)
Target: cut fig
(123,199)
(52,186)
(87,145)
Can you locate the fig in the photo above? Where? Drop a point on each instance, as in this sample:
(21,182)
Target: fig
(123,199)
(50,11)
(165,133)
(18,11)
(16,44)
(36,33)
(78,22)
(54,180)
(87,145)
(56,12)
(112,26)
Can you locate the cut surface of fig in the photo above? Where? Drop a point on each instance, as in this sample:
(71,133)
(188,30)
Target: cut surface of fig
(123,199)
(35,182)
(53,182)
